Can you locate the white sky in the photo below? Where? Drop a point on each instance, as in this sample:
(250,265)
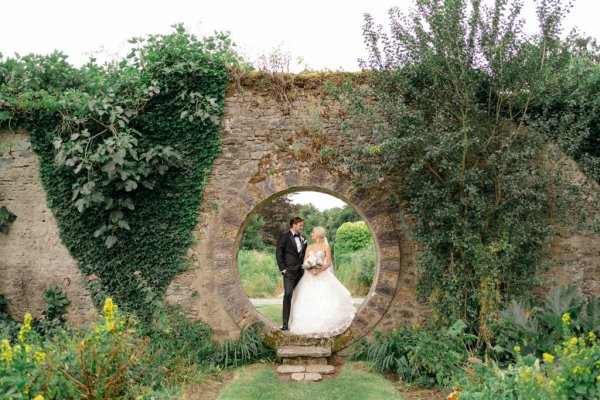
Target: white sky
(320,200)
(327,34)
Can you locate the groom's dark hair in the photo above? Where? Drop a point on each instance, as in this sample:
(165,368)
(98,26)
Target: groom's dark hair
(295,220)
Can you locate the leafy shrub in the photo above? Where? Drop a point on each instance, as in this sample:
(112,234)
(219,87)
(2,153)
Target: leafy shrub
(445,123)
(571,372)
(539,329)
(418,356)
(352,236)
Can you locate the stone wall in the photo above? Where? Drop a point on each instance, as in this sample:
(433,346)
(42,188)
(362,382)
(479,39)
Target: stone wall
(270,147)
(32,257)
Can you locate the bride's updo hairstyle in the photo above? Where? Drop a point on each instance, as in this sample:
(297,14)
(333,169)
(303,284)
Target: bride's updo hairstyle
(320,232)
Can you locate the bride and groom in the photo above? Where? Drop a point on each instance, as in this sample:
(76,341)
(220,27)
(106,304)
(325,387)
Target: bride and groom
(315,303)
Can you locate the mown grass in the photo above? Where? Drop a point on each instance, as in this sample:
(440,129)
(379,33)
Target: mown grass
(261,278)
(354,383)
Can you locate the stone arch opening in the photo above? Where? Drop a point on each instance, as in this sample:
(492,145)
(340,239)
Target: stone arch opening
(256,261)
(380,215)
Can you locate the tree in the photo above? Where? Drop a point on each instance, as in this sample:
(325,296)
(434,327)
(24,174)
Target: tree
(446,123)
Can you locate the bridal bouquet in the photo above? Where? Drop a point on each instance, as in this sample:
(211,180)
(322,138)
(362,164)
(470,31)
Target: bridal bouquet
(312,262)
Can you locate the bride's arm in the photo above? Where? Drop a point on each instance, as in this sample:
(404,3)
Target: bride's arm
(327,259)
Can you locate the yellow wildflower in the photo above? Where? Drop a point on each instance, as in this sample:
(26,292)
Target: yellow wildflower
(38,397)
(517,348)
(548,358)
(39,357)
(6,353)
(566,318)
(591,336)
(108,308)
(26,327)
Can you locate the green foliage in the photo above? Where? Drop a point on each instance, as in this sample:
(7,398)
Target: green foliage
(420,356)
(539,329)
(56,303)
(356,270)
(6,218)
(249,348)
(352,236)
(259,274)
(446,124)
(572,106)
(4,314)
(569,372)
(330,219)
(125,149)
(54,319)
(273,220)
(252,238)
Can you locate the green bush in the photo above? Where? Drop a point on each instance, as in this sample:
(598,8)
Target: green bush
(540,328)
(352,236)
(570,372)
(424,357)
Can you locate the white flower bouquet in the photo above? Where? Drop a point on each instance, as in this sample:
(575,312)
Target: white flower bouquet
(312,262)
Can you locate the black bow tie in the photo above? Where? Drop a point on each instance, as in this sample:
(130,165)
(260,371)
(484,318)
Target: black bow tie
(296,235)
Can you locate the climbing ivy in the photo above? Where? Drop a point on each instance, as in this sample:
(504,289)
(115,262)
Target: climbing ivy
(125,149)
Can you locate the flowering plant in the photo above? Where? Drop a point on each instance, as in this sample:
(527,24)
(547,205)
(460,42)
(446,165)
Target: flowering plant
(312,262)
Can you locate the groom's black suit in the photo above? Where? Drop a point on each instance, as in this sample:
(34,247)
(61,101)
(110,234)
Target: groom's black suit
(290,260)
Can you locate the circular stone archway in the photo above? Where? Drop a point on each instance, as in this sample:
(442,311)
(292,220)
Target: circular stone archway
(380,215)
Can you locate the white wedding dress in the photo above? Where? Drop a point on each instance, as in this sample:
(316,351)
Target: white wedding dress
(321,305)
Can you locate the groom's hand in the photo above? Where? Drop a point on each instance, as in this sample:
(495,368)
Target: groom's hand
(283,272)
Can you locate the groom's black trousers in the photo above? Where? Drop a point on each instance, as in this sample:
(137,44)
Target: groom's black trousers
(290,280)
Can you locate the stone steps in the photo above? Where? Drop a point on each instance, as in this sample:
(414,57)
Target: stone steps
(304,363)
(303,351)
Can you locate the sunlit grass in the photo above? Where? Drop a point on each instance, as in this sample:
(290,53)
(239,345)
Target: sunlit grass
(354,383)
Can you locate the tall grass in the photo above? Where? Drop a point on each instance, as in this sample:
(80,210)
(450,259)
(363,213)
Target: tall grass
(261,278)
(259,274)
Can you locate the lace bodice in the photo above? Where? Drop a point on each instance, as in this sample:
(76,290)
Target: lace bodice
(319,253)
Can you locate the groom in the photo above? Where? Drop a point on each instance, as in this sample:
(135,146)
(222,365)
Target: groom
(290,256)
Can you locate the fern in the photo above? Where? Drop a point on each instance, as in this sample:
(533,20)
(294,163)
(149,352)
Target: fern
(590,320)
(516,314)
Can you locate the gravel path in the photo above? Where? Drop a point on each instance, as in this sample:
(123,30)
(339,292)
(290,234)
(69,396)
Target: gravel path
(257,302)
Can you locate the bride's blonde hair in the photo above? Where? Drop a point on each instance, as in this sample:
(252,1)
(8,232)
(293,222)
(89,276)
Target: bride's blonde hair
(320,232)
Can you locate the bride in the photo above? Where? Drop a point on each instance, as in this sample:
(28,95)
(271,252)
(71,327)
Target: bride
(321,305)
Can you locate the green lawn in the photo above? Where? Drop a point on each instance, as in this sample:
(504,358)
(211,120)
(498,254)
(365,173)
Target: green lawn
(354,383)
(273,311)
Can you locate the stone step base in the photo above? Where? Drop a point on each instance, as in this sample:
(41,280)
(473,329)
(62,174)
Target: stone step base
(306,377)
(303,351)
(304,360)
(313,368)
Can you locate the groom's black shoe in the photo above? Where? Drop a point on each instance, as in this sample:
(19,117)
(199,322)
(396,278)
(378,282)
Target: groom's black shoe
(283,327)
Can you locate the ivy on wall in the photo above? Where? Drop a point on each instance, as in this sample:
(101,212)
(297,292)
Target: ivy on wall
(125,149)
